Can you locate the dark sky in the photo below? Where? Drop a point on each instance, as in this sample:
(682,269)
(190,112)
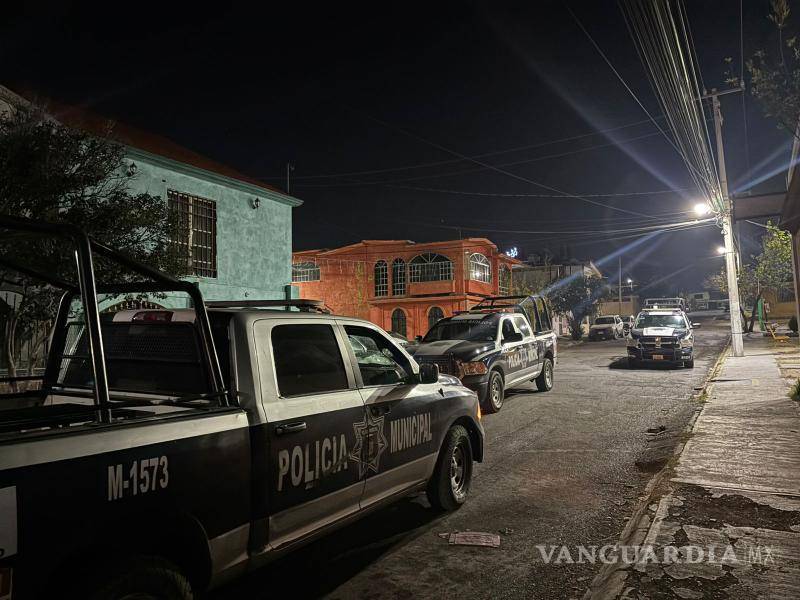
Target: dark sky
(340,89)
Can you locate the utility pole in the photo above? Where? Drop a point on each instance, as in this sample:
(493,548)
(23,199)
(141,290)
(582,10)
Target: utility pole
(289,169)
(619,285)
(727,227)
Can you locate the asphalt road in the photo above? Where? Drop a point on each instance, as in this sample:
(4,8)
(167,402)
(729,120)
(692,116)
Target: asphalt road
(563,467)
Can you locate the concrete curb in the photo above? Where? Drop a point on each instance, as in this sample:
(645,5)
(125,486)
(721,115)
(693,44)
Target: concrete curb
(609,582)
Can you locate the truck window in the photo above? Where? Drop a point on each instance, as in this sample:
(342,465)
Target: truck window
(379,361)
(530,310)
(544,315)
(522,325)
(307,360)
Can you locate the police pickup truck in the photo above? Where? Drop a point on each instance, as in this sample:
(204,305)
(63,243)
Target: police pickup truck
(166,451)
(500,342)
(664,336)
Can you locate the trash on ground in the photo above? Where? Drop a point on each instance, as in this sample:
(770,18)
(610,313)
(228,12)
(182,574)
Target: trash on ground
(475,538)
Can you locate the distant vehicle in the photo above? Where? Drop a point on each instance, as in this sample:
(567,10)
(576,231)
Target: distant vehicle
(679,303)
(609,327)
(662,336)
(502,341)
(627,323)
(402,340)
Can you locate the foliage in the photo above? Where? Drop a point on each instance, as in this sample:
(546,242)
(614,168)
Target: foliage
(575,297)
(775,79)
(50,172)
(769,270)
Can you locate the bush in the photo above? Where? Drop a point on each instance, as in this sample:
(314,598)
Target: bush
(793,324)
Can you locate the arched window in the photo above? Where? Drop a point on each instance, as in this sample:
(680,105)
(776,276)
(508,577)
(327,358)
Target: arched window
(305,271)
(504,280)
(399,321)
(398,277)
(480,269)
(381,279)
(430,267)
(435,314)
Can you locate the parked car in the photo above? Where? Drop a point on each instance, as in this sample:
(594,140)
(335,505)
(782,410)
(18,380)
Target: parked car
(606,328)
(165,451)
(662,336)
(503,341)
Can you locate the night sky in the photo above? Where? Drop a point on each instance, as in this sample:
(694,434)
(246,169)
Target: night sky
(375,104)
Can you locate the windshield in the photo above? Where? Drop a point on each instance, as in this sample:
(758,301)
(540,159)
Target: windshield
(660,321)
(473,330)
(604,321)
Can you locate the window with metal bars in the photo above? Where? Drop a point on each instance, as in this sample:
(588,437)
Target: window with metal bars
(480,269)
(398,277)
(305,271)
(196,231)
(430,267)
(381,278)
(504,280)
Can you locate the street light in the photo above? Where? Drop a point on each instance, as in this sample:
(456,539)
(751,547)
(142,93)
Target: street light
(701,209)
(721,250)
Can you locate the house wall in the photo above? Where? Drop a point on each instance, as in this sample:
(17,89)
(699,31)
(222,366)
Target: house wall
(253,245)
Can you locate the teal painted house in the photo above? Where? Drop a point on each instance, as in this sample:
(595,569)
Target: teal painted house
(239,232)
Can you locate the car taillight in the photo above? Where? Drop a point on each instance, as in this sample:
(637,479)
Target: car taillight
(158,316)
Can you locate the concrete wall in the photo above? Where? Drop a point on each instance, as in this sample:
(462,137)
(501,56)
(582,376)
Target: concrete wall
(254,246)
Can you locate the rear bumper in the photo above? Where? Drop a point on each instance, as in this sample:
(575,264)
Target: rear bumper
(601,335)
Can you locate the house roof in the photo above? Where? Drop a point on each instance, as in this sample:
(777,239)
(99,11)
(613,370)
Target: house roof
(152,143)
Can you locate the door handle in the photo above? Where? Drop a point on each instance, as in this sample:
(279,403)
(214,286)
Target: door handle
(377,411)
(290,428)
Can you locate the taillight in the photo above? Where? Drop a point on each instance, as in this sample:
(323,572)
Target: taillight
(153,316)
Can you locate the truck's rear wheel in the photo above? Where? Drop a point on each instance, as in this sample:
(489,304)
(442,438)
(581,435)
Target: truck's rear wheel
(140,578)
(452,477)
(544,382)
(495,393)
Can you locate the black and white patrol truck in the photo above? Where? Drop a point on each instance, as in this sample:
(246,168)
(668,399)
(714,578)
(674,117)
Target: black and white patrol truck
(164,452)
(503,341)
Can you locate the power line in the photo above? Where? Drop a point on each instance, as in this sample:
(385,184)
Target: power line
(499,195)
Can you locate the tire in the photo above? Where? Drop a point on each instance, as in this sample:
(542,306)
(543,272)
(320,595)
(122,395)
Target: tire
(145,576)
(448,487)
(495,393)
(634,363)
(689,364)
(544,382)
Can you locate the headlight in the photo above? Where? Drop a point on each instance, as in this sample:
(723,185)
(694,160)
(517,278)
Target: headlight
(633,342)
(473,368)
(686,342)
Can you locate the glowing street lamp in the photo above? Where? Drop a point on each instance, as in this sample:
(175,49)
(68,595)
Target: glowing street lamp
(721,250)
(701,209)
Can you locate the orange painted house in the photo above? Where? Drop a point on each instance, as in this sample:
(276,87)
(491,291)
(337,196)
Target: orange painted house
(400,285)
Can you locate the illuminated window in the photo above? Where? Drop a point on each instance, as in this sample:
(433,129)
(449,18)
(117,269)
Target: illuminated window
(398,277)
(480,269)
(430,267)
(381,279)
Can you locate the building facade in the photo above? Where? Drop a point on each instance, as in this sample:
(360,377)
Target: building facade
(237,229)
(400,285)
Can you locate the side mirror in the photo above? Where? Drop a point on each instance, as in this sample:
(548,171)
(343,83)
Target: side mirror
(418,338)
(428,373)
(696,324)
(512,337)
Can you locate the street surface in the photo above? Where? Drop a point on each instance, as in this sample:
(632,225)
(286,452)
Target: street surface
(563,467)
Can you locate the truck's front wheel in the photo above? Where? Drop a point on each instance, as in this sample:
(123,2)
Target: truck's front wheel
(141,577)
(449,485)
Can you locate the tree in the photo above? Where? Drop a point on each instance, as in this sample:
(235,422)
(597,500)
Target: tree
(775,77)
(770,270)
(53,173)
(575,297)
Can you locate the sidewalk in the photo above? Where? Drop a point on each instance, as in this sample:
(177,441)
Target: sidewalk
(724,520)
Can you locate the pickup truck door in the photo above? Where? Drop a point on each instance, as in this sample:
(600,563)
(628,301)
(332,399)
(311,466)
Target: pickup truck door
(519,356)
(312,407)
(401,423)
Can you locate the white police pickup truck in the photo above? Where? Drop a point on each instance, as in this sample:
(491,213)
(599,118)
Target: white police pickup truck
(164,452)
